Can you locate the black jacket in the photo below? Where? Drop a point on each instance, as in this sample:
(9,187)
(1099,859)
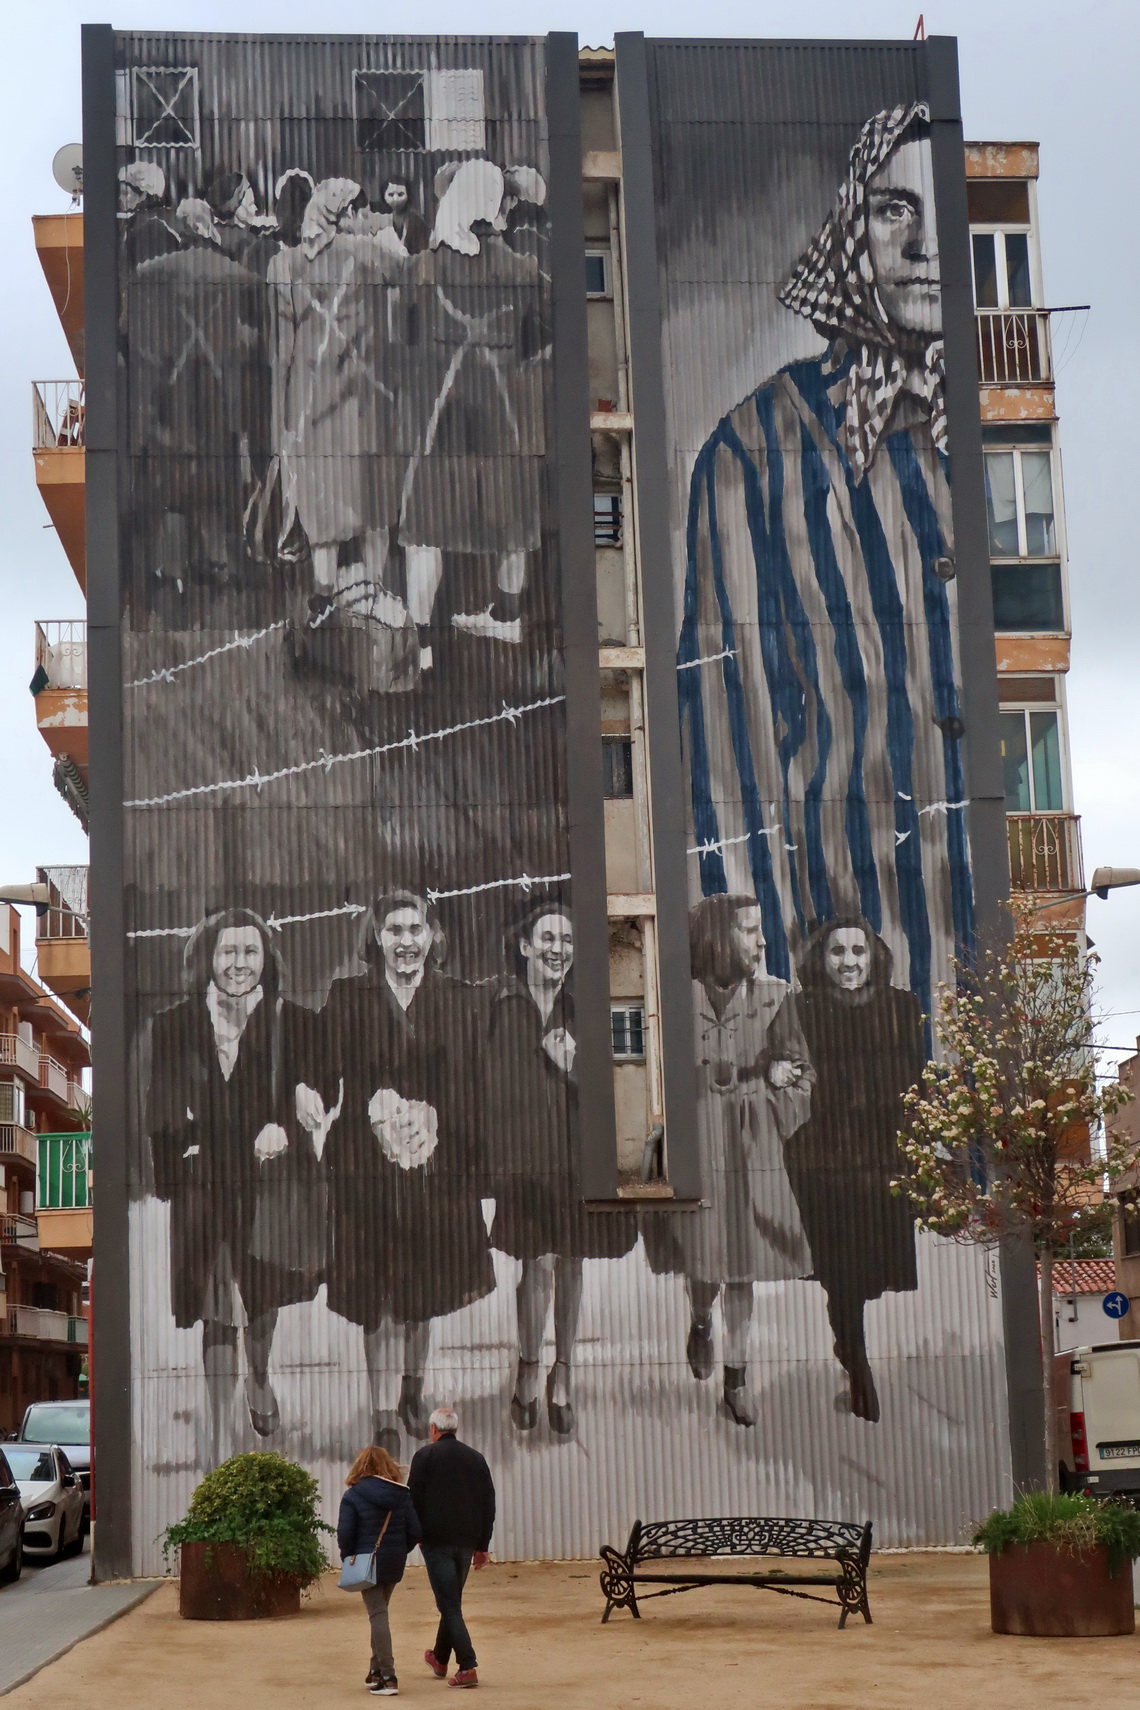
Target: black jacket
(363,1508)
(454,1494)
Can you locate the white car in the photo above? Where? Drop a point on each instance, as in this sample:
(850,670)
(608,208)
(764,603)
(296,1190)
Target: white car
(51,1496)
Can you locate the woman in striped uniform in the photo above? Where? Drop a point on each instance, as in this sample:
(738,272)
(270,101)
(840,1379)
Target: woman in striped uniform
(818,651)
(824,739)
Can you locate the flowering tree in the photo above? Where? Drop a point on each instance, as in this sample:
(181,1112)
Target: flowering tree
(998,1134)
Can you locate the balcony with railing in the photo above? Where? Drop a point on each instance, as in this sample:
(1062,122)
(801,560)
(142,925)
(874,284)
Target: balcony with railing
(64,1193)
(63,1180)
(59,686)
(45,1326)
(62,951)
(1045,852)
(17,1144)
(55,1079)
(58,433)
(61,652)
(16,1053)
(1014,347)
(19,1231)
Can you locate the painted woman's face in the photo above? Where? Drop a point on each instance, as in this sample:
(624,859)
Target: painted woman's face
(550,949)
(239,960)
(396,198)
(748,938)
(903,241)
(848,958)
(405,939)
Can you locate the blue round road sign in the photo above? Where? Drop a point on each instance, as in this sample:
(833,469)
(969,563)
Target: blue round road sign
(1116,1304)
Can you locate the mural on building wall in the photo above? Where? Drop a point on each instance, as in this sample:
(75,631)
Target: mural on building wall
(823,731)
(351,971)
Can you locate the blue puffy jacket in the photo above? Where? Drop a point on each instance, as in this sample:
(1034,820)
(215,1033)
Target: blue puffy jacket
(363,1508)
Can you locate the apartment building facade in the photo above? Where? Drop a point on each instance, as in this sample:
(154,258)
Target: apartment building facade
(646,837)
(1026,522)
(45,1236)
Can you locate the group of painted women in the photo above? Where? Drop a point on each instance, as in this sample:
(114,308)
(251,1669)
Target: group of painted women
(358,1145)
(355,1146)
(354,365)
(799,1104)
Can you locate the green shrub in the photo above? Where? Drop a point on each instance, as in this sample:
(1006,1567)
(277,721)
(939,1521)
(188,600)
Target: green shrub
(1076,1523)
(265,1504)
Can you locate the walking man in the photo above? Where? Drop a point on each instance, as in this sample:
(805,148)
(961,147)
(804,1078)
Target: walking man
(454,1496)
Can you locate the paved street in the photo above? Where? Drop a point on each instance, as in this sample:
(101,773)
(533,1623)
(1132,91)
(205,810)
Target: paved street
(541,1646)
(50,1609)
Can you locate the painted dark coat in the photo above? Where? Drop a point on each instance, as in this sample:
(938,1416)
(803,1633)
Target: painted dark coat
(406,1244)
(202,1130)
(531,1124)
(475,407)
(842,1161)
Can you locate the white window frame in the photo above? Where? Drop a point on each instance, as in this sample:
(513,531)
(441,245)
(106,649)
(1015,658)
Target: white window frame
(999,229)
(628,1009)
(1056,704)
(605,295)
(1022,554)
(19,1103)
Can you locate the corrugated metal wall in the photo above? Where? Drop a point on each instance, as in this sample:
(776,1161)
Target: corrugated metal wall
(822,713)
(346,870)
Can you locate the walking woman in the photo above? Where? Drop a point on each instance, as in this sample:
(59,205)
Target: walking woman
(532,1111)
(865,1038)
(376,1514)
(408,1241)
(754,1081)
(240,1170)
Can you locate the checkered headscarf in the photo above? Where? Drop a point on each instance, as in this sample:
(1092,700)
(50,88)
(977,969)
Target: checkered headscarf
(834,288)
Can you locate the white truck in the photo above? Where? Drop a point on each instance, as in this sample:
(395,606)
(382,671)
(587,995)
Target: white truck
(1096,1391)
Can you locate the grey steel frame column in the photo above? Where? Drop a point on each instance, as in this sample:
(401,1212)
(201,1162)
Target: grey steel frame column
(111,1344)
(660,629)
(984,786)
(572,490)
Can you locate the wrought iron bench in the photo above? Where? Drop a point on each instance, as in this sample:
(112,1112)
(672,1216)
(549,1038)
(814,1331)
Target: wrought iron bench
(843,1542)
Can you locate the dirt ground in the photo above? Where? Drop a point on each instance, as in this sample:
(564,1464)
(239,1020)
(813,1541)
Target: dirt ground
(537,1631)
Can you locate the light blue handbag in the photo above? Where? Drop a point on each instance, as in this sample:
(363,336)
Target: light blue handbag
(359,1572)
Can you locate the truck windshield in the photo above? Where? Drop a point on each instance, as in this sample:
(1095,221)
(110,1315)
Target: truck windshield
(58,1422)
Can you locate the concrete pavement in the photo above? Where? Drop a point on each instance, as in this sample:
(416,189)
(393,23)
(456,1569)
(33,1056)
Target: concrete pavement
(50,1609)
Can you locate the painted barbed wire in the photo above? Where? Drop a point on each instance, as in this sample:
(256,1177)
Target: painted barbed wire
(325,762)
(707,659)
(525,882)
(167,673)
(273,921)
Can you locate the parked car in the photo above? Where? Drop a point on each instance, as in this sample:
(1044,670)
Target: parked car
(67,1424)
(52,1497)
(11,1524)
(1096,1391)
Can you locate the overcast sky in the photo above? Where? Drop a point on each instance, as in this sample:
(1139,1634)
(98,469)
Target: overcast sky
(1031,69)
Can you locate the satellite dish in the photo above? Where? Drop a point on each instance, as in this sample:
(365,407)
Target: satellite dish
(67,168)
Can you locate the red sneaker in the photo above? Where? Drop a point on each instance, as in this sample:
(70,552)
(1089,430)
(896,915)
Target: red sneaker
(435,1665)
(464,1677)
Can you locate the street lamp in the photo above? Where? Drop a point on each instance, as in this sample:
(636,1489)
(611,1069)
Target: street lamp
(40,895)
(1107,879)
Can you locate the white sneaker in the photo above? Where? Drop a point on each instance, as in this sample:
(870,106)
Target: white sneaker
(495,629)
